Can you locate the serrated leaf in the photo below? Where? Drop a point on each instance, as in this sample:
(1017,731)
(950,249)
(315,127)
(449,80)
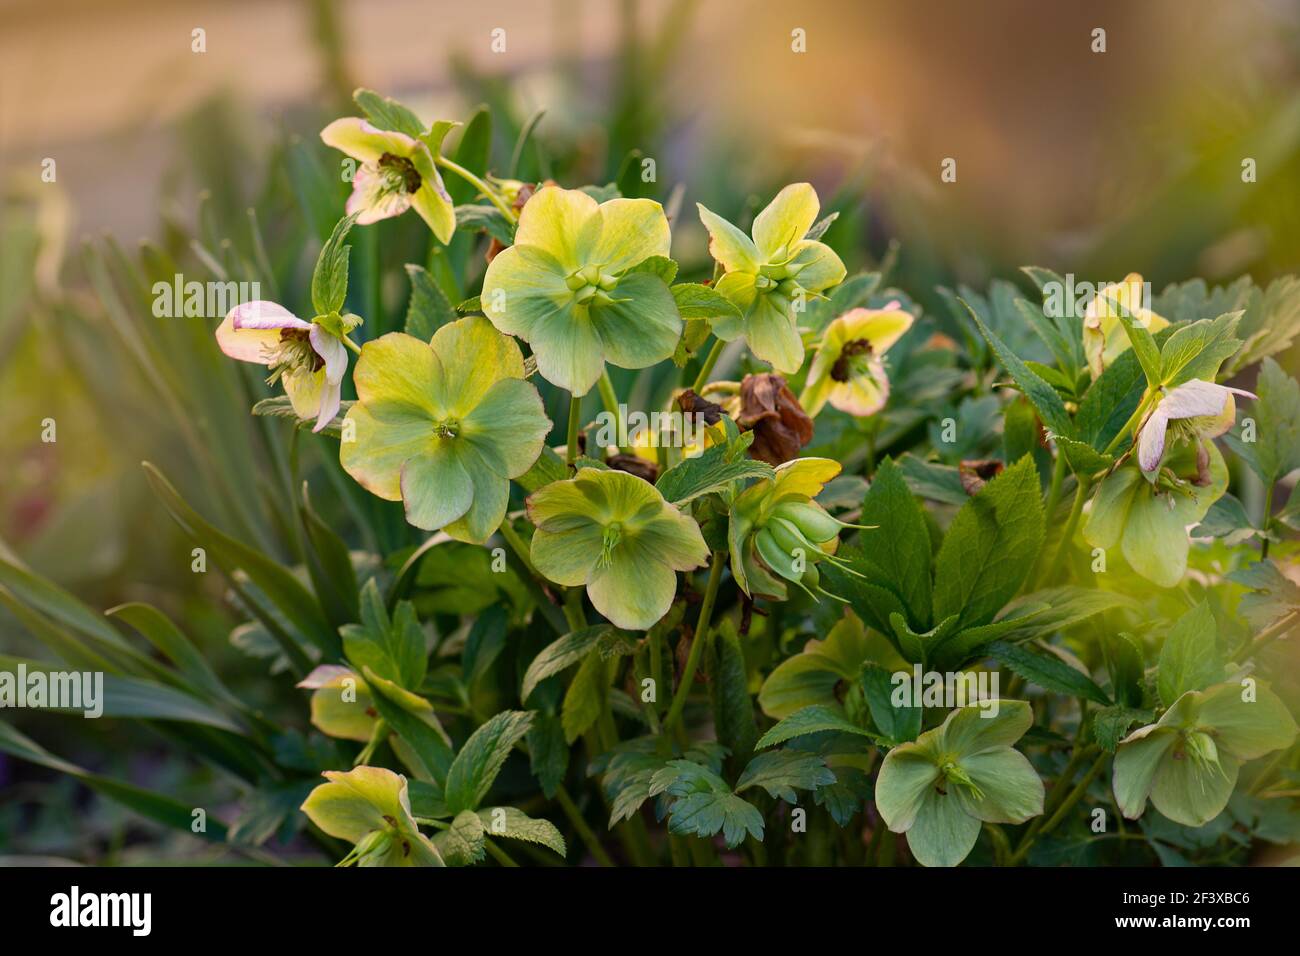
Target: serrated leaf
(714,470)
(548,752)
(733,710)
(386,113)
(486,218)
(1197,350)
(1275,452)
(781,772)
(428,309)
(898,724)
(661,266)
(461,844)
(1050,673)
(516,825)
(475,768)
(1272,593)
(1189,658)
(329,280)
(1110,725)
(559,654)
(1046,401)
(695,301)
(585,697)
(814,719)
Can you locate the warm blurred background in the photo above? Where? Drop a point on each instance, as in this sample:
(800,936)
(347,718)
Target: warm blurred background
(1096,163)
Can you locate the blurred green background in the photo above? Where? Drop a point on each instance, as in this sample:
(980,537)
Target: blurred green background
(208,164)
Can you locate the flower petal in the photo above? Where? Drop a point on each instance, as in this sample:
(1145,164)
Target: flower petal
(490,497)
(1136,762)
(511,420)
(644,329)
(567,557)
(306,391)
(354,803)
(436,488)
(433,204)
(819,266)
(624,232)
(360,140)
(385,436)
(1151,443)
(970,730)
(523,286)
(1013,791)
(944,833)
(569,352)
(727,244)
(1246,728)
(399,371)
(1190,793)
(785,221)
(771,334)
(552,220)
(881,327)
(906,776)
(631,592)
(474,356)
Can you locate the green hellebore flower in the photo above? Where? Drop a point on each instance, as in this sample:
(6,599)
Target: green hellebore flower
(614,533)
(770,276)
(1187,762)
(341,704)
(369,807)
(565,287)
(940,788)
(444,426)
(1104,338)
(847,370)
(777,533)
(397,173)
(1149,518)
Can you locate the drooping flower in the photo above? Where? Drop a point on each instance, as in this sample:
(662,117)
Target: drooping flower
(341,703)
(444,426)
(369,807)
(1149,518)
(568,288)
(397,172)
(940,788)
(769,409)
(1195,411)
(616,535)
(1187,762)
(305,357)
(1104,338)
(847,370)
(777,533)
(771,276)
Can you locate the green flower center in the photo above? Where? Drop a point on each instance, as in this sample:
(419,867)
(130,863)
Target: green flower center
(292,353)
(399,173)
(590,285)
(953,774)
(610,537)
(447,428)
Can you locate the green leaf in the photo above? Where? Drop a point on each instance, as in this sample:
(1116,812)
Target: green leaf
(1271,321)
(1197,350)
(1272,594)
(1110,725)
(548,468)
(461,844)
(714,470)
(695,301)
(473,152)
(1125,664)
(168,639)
(559,654)
(277,583)
(386,113)
(705,804)
(585,697)
(329,563)
(428,309)
(733,710)
(487,218)
(781,772)
(548,753)
(1046,401)
(990,547)
(1110,400)
(479,761)
(1144,344)
(1050,673)
(164,810)
(516,825)
(902,562)
(1275,453)
(1189,659)
(814,719)
(898,724)
(329,280)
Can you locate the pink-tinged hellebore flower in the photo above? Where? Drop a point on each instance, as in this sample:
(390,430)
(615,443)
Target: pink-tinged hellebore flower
(397,172)
(1193,411)
(305,357)
(847,370)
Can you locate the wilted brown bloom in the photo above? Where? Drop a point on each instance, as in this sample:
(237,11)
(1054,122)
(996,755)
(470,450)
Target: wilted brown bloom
(976,472)
(769,408)
(634,465)
(692,404)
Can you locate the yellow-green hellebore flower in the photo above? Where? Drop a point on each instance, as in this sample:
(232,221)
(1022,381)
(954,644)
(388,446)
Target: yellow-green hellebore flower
(369,807)
(614,533)
(1149,517)
(1104,338)
(847,370)
(305,357)
(397,172)
(777,533)
(444,426)
(771,276)
(1195,411)
(341,703)
(1187,762)
(565,287)
(940,788)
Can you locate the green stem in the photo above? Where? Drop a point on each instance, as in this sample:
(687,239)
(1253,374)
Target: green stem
(609,398)
(1072,523)
(1268,519)
(573,612)
(697,645)
(707,368)
(356,349)
(1054,489)
(571,442)
(1253,645)
(1148,400)
(492,196)
(580,825)
(498,854)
